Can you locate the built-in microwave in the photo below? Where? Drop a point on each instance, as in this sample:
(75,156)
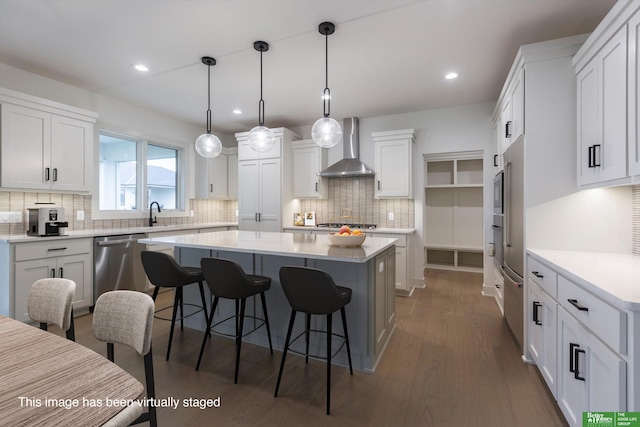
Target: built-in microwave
(498,193)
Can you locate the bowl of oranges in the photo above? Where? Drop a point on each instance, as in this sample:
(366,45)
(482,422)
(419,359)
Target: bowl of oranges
(347,237)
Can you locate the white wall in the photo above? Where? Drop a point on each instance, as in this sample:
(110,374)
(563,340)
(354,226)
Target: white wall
(598,220)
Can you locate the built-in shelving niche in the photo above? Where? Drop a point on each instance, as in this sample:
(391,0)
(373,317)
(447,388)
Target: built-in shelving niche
(453,214)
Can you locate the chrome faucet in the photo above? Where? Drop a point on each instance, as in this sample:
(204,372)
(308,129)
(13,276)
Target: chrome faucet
(152,219)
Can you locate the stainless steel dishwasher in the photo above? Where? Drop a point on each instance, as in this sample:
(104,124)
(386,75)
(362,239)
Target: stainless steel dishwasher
(118,264)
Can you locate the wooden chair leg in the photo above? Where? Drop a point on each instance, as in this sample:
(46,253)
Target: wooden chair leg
(206,335)
(71,332)
(204,304)
(176,301)
(243,303)
(284,352)
(329,318)
(346,337)
(306,335)
(266,319)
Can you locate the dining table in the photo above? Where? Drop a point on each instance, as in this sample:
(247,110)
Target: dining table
(48,380)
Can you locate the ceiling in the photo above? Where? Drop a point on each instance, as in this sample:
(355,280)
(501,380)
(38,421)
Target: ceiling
(386,56)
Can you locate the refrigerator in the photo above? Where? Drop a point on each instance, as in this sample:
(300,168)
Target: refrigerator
(513,264)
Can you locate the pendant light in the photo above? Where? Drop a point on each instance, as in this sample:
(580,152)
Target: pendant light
(208,145)
(261,138)
(326,132)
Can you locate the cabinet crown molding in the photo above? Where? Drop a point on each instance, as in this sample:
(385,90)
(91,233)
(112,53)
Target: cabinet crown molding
(394,134)
(18,98)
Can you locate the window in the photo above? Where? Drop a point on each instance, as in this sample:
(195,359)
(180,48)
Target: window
(127,165)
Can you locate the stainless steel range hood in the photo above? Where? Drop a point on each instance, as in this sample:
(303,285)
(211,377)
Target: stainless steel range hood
(350,165)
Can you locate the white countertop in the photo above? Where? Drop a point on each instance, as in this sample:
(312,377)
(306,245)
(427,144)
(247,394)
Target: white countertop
(383,230)
(297,245)
(98,232)
(613,277)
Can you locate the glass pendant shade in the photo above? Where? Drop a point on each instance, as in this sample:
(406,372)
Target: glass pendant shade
(326,132)
(261,138)
(208,145)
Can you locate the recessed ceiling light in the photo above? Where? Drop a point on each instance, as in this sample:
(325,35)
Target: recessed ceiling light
(451,76)
(237,111)
(140,67)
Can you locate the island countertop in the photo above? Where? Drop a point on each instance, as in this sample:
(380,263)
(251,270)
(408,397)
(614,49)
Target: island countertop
(271,243)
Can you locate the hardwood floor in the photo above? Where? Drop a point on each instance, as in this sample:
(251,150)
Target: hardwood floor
(451,361)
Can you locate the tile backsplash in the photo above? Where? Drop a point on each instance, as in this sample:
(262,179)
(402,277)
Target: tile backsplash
(358,195)
(205,211)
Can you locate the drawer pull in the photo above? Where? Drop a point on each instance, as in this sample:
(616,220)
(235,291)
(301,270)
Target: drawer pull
(53,272)
(538,275)
(536,314)
(56,249)
(574,302)
(572,353)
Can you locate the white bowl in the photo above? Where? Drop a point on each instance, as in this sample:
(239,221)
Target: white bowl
(353,240)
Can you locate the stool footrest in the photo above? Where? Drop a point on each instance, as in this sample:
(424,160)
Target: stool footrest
(315,356)
(246,316)
(178,318)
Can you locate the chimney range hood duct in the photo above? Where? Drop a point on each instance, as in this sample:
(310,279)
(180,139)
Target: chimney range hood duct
(350,165)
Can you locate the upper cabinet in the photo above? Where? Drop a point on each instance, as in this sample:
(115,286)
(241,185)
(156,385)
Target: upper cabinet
(45,145)
(393,160)
(218,177)
(512,112)
(607,100)
(308,160)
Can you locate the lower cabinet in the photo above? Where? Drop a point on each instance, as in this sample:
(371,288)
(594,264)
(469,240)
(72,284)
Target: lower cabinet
(591,376)
(69,259)
(542,329)
(580,343)
(385,272)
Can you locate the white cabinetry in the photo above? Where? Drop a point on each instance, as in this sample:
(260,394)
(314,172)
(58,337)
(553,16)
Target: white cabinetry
(511,121)
(607,101)
(580,344)
(453,215)
(218,177)
(542,321)
(393,159)
(602,114)
(45,145)
(592,376)
(404,260)
(71,259)
(264,183)
(308,160)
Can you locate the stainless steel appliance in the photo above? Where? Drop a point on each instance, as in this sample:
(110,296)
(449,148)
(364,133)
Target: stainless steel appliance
(498,220)
(46,221)
(513,268)
(339,224)
(350,165)
(118,264)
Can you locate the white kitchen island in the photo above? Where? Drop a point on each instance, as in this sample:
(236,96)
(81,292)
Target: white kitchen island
(369,270)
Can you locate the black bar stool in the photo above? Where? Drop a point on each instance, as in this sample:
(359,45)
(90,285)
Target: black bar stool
(313,291)
(226,279)
(163,271)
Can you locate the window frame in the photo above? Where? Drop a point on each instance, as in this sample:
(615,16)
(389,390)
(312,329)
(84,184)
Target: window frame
(142,142)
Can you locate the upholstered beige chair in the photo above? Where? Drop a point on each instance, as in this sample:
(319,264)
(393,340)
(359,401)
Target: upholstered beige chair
(126,317)
(50,301)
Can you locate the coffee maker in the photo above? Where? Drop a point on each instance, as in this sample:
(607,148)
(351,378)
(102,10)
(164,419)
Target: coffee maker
(46,222)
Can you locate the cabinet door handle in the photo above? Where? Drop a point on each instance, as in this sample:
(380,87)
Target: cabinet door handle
(316,187)
(536,313)
(56,249)
(574,302)
(576,356)
(61,272)
(378,184)
(55,174)
(590,154)
(46,174)
(210,188)
(495,160)
(596,161)
(507,129)
(497,286)
(255,217)
(538,275)
(572,353)
(53,272)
